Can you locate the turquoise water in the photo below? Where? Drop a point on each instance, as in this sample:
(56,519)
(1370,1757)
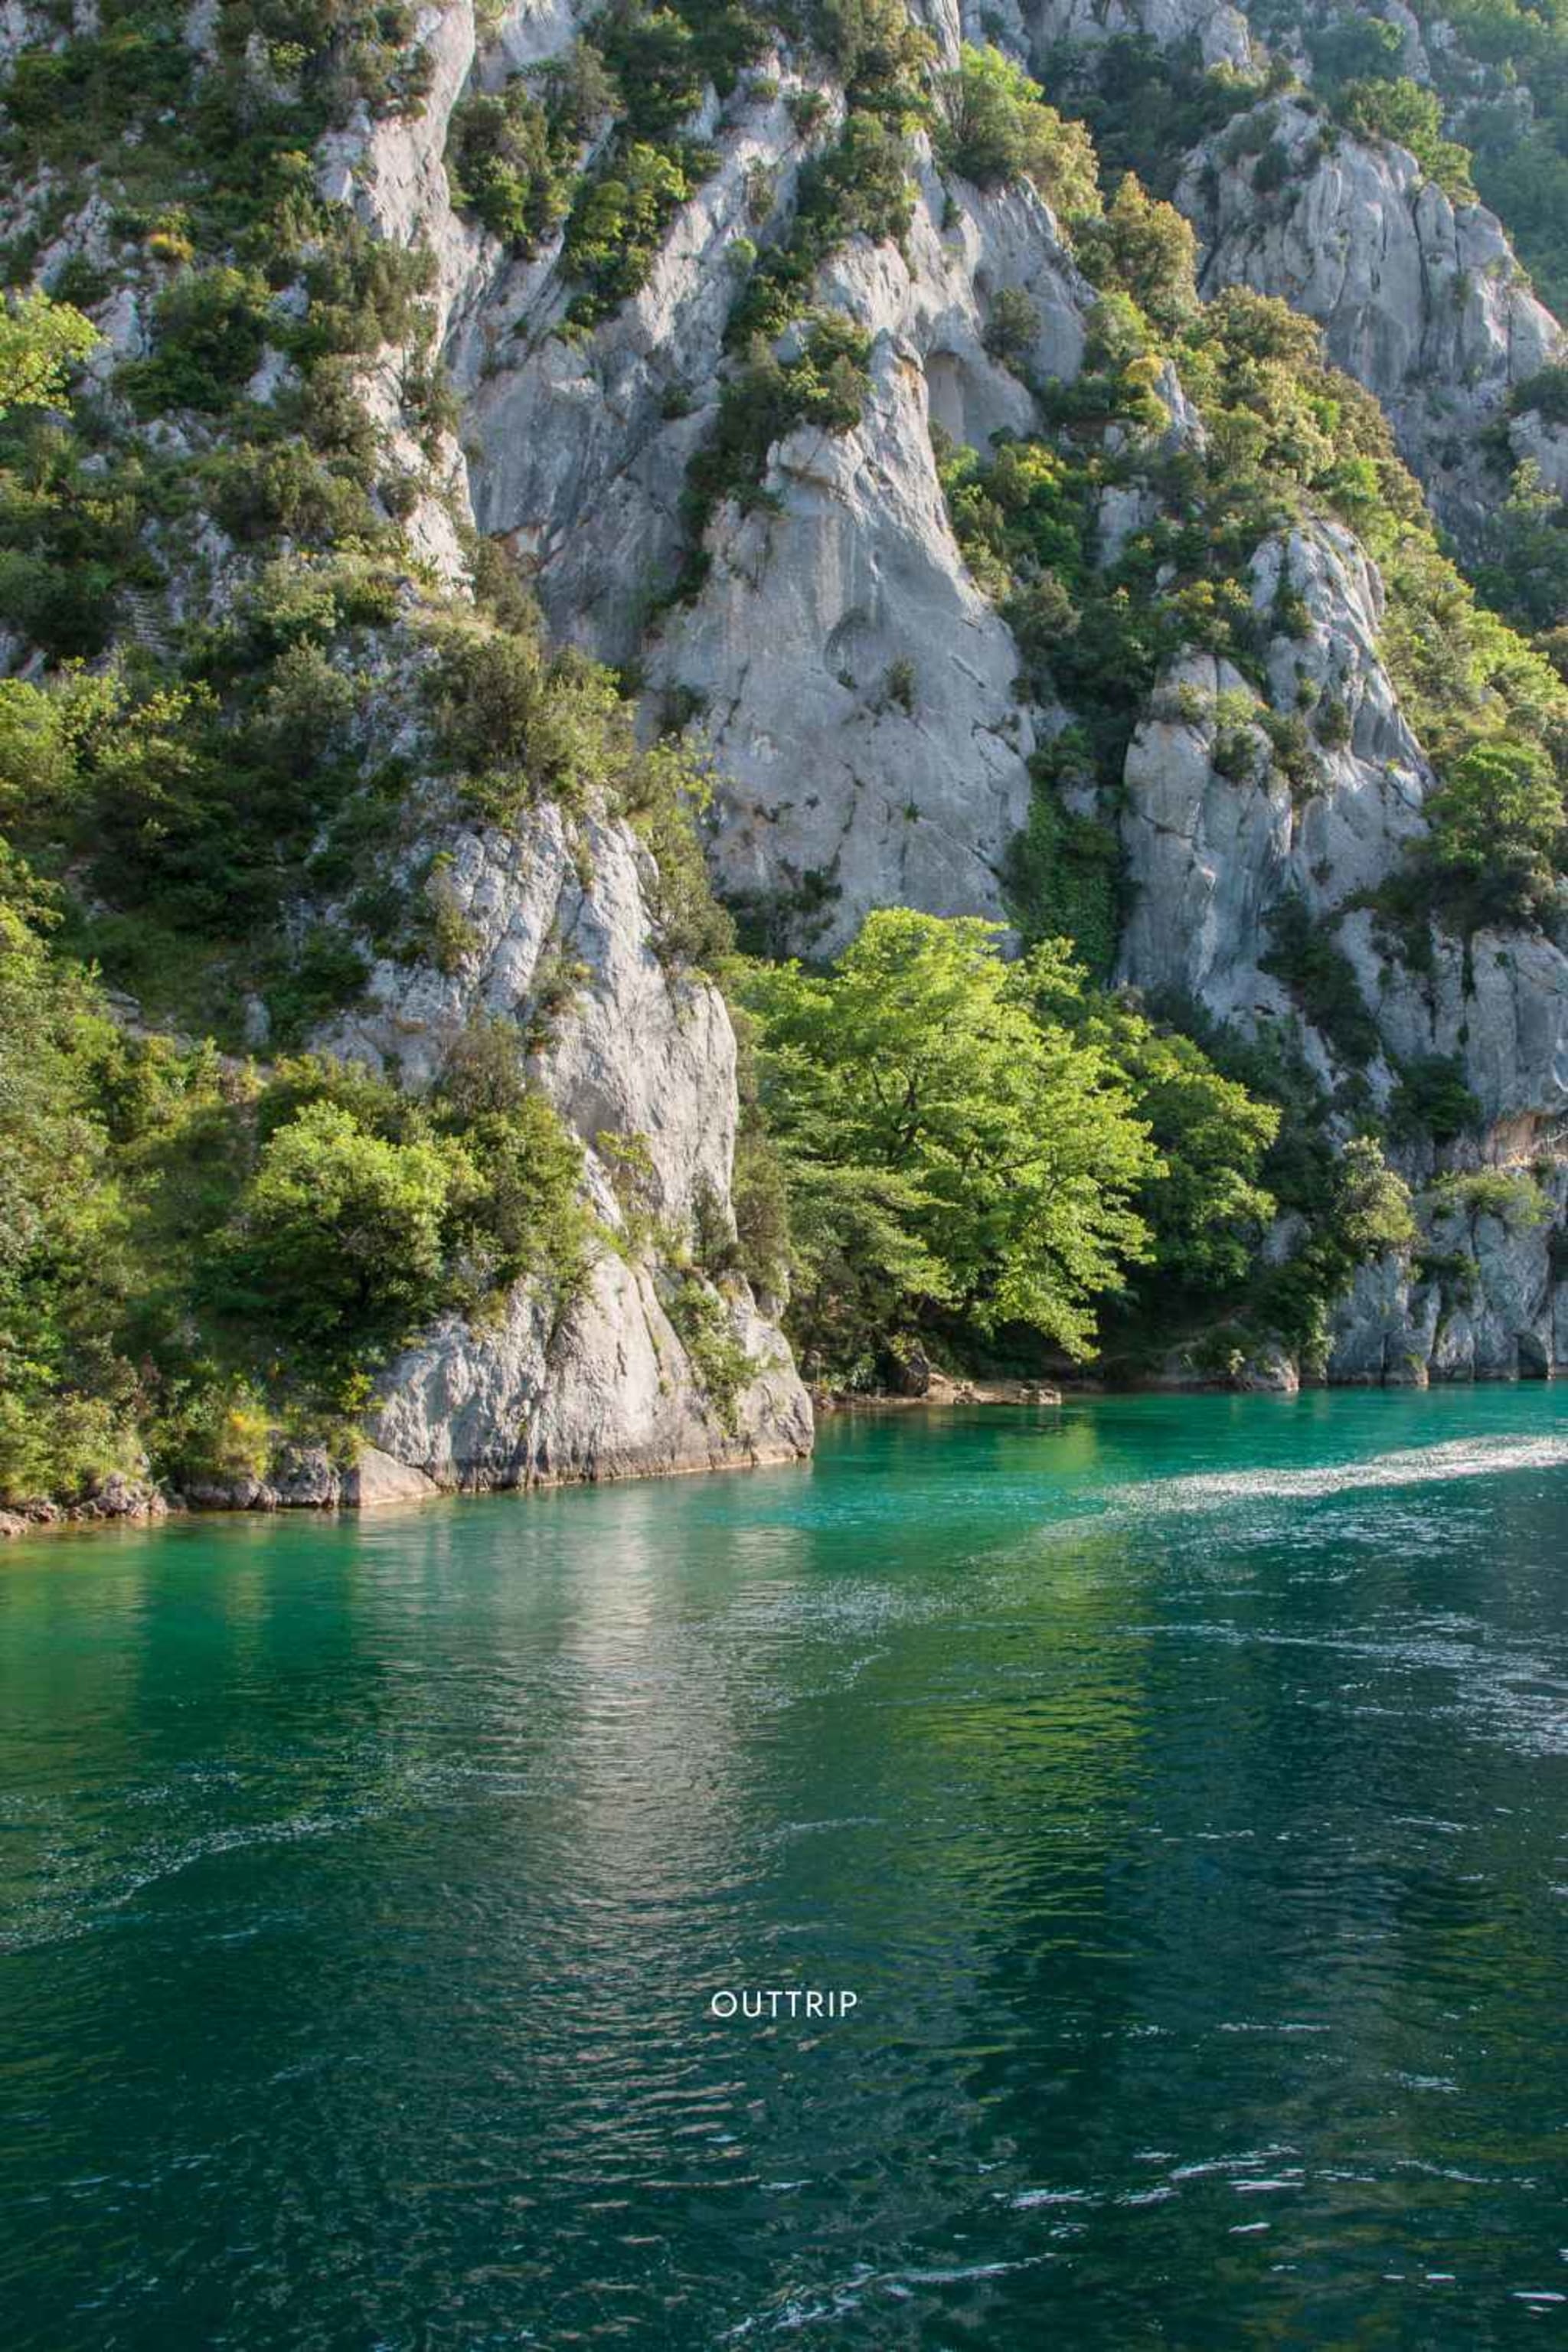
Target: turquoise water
(1181,1786)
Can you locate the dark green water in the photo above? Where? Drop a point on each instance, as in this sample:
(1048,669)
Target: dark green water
(1181,1786)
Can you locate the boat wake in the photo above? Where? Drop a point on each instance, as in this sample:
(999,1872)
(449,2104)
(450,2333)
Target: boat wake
(1416,1466)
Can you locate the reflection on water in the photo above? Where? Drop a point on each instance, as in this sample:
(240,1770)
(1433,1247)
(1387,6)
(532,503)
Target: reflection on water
(1180,1784)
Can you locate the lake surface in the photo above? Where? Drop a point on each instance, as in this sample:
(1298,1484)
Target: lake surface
(1181,1786)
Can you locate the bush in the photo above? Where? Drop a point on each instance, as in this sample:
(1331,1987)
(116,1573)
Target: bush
(722,1367)
(288,491)
(42,339)
(1409,116)
(509,166)
(881,55)
(1063,878)
(337,1243)
(1546,391)
(1432,1099)
(1497,832)
(618,222)
(996,128)
(1510,1195)
(1272,170)
(209,332)
(1012,330)
(1145,249)
(1322,979)
(485,693)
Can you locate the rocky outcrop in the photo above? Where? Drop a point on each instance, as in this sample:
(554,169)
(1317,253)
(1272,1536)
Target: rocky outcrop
(1217,834)
(1420,299)
(1498,1003)
(310,1478)
(123,1500)
(599,1388)
(1483,1297)
(1218,837)
(856,692)
(550,929)
(639,1058)
(1218,32)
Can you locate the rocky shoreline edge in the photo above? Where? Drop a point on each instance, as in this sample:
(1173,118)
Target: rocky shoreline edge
(308,1479)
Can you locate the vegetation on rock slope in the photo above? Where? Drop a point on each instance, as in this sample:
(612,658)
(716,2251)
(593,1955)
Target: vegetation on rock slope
(226,771)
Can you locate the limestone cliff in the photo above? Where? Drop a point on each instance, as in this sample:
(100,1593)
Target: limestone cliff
(1421,300)
(871,719)
(638,1059)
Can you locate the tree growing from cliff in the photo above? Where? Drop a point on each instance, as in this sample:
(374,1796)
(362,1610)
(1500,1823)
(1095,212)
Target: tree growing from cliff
(1146,249)
(996,128)
(1402,111)
(40,342)
(1497,830)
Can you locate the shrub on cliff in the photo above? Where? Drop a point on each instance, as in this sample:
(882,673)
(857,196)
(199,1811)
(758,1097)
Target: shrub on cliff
(1497,834)
(1403,112)
(997,127)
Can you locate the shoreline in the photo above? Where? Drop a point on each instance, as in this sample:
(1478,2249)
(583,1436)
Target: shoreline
(137,1504)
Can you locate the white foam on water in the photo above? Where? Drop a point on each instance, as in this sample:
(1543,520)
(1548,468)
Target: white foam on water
(1414,1465)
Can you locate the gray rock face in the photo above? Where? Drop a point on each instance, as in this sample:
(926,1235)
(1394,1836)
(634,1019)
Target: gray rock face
(559,938)
(551,920)
(1216,839)
(578,449)
(1219,31)
(1483,1301)
(556,923)
(1502,1011)
(857,692)
(1211,851)
(1421,300)
(856,689)
(601,1388)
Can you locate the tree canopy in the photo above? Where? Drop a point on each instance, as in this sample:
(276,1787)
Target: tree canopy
(40,342)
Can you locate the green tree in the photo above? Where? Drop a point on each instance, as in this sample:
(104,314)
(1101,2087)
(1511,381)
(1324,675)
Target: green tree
(64,1387)
(881,52)
(998,129)
(338,1244)
(1497,828)
(40,342)
(1014,1146)
(1208,1209)
(1525,571)
(1146,249)
(1402,111)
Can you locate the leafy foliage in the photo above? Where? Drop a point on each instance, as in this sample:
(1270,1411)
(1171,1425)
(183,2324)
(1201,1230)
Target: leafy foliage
(191,1250)
(40,342)
(1402,111)
(946,1149)
(511,159)
(1145,249)
(998,129)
